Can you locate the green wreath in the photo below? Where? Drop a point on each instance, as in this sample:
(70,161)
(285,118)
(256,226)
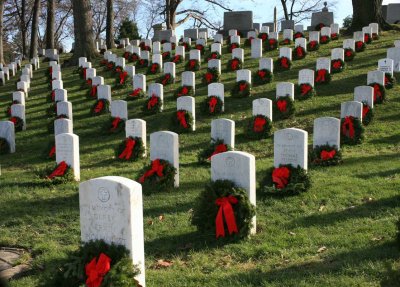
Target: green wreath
(299,53)
(152,105)
(367,38)
(233,46)
(4,146)
(283,108)
(166,56)
(207,106)
(368,114)
(177,59)
(154,182)
(211,76)
(334,36)
(215,147)
(184,91)
(337,65)
(298,35)
(192,65)
(390,81)
(50,151)
(263,36)
(114,126)
(305,91)
(134,58)
(110,67)
(271,44)
(166,79)
(247,42)
(313,46)
(143,63)
(136,94)
(349,54)
(325,39)
(259,127)
(201,48)
(262,77)
(325,155)
(283,64)
(360,46)
(286,42)
(346,137)
(187,46)
(67,177)
(177,124)
(323,77)
(214,56)
(153,69)
(101,106)
(127,56)
(379,93)
(122,270)
(18,123)
(137,151)
(234,64)
(375,36)
(206,210)
(118,69)
(241,89)
(297,180)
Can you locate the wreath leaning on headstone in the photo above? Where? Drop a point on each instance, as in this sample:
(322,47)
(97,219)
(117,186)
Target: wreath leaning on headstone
(367,114)
(305,91)
(259,127)
(184,91)
(223,211)
(158,176)
(262,77)
(101,106)
(4,146)
(18,123)
(212,105)
(130,149)
(351,131)
(325,155)
(241,89)
(283,108)
(136,94)
(390,81)
(211,76)
(379,93)
(97,263)
(216,146)
(59,174)
(114,125)
(152,104)
(182,121)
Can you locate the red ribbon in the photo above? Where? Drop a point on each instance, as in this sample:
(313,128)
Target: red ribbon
(366,38)
(122,77)
(298,35)
(14,120)
(365,110)
(135,93)
(176,59)
(200,47)
(192,64)
(99,107)
(97,270)
(334,35)
(219,149)
(93,91)
(127,152)
(261,74)
(154,68)
(234,64)
(337,64)
(209,77)
(281,104)
(166,79)
(285,62)
(233,46)
(126,55)
(52,151)
(214,55)
(280,176)
(242,87)
(118,70)
(53,95)
(299,51)
(183,91)
(387,80)
(348,127)
(181,118)
(50,70)
(115,123)
(84,73)
(321,76)
(134,57)
(359,44)
(305,89)
(324,39)
(89,82)
(165,55)
(348,53)
(377,92)
(59,170)
(225,210)
(313,44)
(272,42)
(259,123)
(212,103)
(325,155)
(156,168)
(152,102)
(264,36)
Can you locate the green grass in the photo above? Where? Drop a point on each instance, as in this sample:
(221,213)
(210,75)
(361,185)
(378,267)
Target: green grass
(360,197)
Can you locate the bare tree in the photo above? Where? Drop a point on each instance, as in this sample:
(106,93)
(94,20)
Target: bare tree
(110,24)
(1,31)
(34,32)
(50,24)
(300,10)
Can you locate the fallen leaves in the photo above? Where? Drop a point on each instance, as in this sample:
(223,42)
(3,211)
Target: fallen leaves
(162,263)
(322,249)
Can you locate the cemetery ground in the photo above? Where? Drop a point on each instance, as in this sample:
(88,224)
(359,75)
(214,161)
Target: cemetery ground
(340,233)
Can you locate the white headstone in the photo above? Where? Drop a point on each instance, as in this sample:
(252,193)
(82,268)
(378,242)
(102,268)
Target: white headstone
(238,53)
(169,68)
(235,39)
(223,129)
(376,77)
(23,86)
(243,75)
(364,94)
(266,63)
(337,53)
(324,63)
(291,147)
(157,90)
(167,47)
(157,58)
(217,89)
(65,108)
(18,110)
(67,149)
(394,54)
(326,131)
(189,79)
(90,73)
(218,38)
(98,80)
(284,89)
(111,209)
(180,50)
(156,47)
(136,128)
(81,60)
(288,34)
(273,35)
(302,42)
(306,76)
(62,126)
(397,44)
(358,36)
(195,55)
(264,29)
(335,28)
(232,32)
(139,82)
(313,36)
(104,92)
(326,31)
(256,48)
(216,47)
(386,65)
(214,63)
(374,28)
(188,104)
(351,108)
(19,97)
(285,52)
(349,44)
(299,28)
(7,132)
(130,70)
(262,106)
(119,109)
(57,84)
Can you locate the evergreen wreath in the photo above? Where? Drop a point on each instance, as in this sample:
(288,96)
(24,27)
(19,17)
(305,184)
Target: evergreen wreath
(262,77)
(349,54)
(283,108)
(375,36)
(379,93)
(286,179)
(122,80)
(313,46)
(367,114)
(216,146)
(233,46)
(211,76)
(298,35)
(121,271)
(153,69)
(103,63)
(305,91)
(143,47)
(114,125)
(207,214)
(241,89)
(184,91)
(325,155)
(283,64)
(271,44)
(351,131)
(286,41)
(212,105)
(192,65)
(134,58)
(367,38)
(334,36)
(127,56)
(360,46)
(299,53)
(158,176)
(263,36)
(337,65)
(143,63)
(152,104)
(166,79)
(182,121)
(101,106)
(324,39)
(110,66)
(234,64)
(200,48)
(322,77)
(390,81)
(177,59)
(131,148)
(247,42)
(319,26)
(18,123)
(118,69)
(136,94)
(59,174)
(166,56)
(4,146)
(187,46)
(259,127)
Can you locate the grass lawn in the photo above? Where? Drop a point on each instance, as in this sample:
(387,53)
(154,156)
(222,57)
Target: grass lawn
(340,233)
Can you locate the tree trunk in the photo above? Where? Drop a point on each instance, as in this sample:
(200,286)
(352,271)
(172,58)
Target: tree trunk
(50,24)
(170,13)
(109,24)
(34,34)
(84,42)
(366,12)
(285,10)
(23,29)
(1,31)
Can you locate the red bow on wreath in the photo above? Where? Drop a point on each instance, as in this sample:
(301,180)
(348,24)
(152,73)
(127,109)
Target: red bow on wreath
(337,64)
(84,73)
(365,110)
(166,79)
(325,155)
(305,89)
(261,74)
(212,103)
(118,70)
(53,95)
(115,123)
(321,74)
(285,62)
(359,44)
(213,55)
(264,36)
(313,44)
(218,149)
(272,42)
(122,77)
(152,102)
(50,70)
(176,59)
(259,123)
(156,168)
(348,53)
(233,46)
(89,82)
(99,107)
(242,87)
(154,68)
(281,104)
(127,152)
(377,92)
(209,77)
(181,118)
(280,176)
(225,210)
(348,127)
(13,120)
(135,92)
(192,64)
(59,171)
(234,64)
(93,91)
(366,38)
(97,270)
(299,51)
(184,91)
